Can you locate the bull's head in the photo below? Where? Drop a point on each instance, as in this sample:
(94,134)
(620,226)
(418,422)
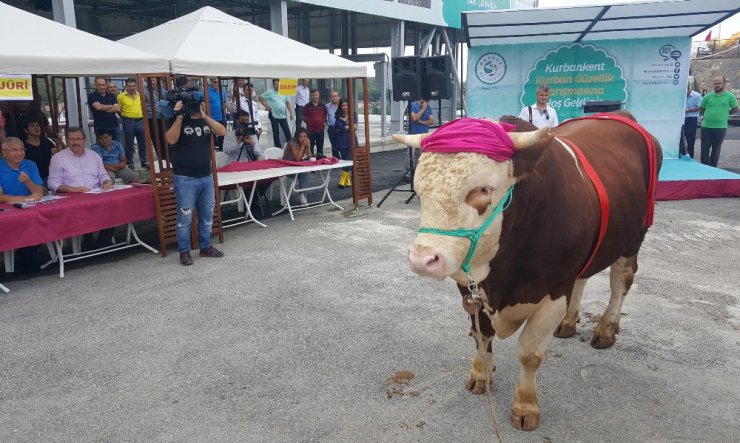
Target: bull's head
(460,191)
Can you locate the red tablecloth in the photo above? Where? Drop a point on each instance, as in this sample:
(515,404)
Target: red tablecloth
(76,214)
(267,164)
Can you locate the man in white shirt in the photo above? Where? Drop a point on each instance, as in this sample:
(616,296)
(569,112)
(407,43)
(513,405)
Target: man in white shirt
(250,106)
(540,113)
(302,97)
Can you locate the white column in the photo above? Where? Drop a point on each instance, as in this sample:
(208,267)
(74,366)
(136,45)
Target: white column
(398,48)
(64,12)
(279,17)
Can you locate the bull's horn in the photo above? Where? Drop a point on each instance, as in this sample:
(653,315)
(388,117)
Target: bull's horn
(410,140)
(524,139)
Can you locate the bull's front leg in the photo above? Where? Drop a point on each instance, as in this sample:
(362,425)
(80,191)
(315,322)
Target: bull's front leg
(482,367)
(525,412)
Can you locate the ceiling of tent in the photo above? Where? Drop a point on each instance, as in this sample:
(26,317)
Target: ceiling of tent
(603,22)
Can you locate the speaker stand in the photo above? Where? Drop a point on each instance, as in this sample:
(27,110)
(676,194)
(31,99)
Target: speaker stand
(407,174)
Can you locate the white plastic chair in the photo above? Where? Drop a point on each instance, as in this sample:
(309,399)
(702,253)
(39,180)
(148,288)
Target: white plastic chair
(274,153)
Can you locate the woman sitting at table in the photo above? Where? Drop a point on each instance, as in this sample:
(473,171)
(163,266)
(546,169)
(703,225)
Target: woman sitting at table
(341,127)
(299,149)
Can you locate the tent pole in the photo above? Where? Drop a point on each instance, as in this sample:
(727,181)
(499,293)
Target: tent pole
(82,125)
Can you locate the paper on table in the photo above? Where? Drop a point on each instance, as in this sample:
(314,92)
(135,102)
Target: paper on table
(114,188)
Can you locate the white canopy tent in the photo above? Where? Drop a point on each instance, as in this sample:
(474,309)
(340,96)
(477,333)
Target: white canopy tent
(36,45)
(603,22)
(195,44)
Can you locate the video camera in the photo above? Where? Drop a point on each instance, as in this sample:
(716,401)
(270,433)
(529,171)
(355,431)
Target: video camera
(247,129)
(190,97)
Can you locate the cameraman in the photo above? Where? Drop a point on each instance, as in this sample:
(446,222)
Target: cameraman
(246,149)
(190,138)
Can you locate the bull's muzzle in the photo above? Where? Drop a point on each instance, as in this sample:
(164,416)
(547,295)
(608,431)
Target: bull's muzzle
(428,262)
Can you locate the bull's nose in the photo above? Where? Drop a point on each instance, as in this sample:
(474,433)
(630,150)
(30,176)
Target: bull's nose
(427,263)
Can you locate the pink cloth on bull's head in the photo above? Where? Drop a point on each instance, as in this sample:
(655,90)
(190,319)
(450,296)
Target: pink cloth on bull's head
(472,135)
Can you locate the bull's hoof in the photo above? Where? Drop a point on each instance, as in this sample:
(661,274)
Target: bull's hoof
(603,341)
(525,416)
(605,335)
(565,331)
(476,385)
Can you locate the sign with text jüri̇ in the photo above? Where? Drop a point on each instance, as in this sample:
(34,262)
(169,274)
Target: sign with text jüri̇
(16,87)
(648,76)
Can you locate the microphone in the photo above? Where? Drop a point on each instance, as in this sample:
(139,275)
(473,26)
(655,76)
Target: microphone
(21,205)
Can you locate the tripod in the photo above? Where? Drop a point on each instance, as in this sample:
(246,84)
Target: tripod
(407,174)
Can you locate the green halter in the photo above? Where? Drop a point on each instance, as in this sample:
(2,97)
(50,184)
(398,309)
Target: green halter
(473,234)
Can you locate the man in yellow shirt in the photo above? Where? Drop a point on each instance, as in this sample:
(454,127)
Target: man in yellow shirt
(133,123)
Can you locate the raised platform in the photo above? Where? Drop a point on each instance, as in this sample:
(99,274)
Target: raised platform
(686,179)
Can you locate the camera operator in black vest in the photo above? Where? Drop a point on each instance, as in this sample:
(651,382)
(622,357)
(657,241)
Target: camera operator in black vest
(247,148)
(190,136)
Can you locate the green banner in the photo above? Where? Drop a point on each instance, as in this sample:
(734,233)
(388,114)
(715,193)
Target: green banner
(648,76)
(576,74)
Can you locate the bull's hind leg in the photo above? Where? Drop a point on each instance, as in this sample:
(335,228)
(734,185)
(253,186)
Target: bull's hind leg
(621,276)
(525,412)
(567,327)
(482,363)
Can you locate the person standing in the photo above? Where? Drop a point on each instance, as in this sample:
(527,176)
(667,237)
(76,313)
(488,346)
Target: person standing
(190,138)
(422,116)
(247,104)
(342,127)
(540,113)
(302,96)
(104,107)
(716,108)
(133,123)
(217,100)
(691,119)
(331,109)
(315,115)
(278,108)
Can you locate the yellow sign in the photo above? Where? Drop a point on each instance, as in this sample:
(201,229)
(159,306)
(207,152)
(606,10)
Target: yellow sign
(15,87)
(288,87)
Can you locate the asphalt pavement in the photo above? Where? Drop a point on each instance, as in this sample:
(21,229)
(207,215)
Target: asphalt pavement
(298,334)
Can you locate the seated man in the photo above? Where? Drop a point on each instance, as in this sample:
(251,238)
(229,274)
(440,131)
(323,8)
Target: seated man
(77,169)
(19,178)
(246,149)
(19,182)
(114,157)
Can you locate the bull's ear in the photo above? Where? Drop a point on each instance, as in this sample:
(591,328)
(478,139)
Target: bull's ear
(526,160)
(410,140)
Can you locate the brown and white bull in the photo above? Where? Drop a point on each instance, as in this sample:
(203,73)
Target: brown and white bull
(530,263)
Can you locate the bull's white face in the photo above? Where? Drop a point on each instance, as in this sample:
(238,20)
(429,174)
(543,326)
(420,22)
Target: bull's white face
(458,191)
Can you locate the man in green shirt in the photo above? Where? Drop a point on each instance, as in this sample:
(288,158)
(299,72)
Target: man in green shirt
(278,108)
(716,108)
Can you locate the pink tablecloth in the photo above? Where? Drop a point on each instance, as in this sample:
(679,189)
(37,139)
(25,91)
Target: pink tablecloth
(76,214)
(268,164)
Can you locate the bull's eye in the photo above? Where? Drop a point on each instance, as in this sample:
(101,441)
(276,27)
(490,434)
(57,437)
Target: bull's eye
(486,190)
